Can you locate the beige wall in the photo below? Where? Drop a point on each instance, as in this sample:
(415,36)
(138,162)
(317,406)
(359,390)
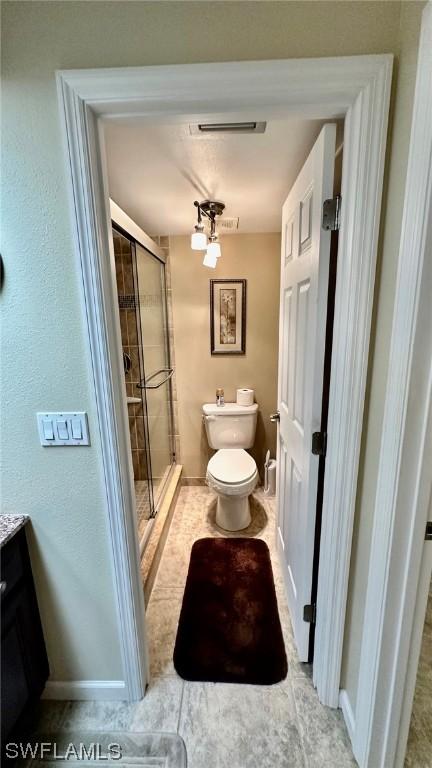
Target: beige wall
(257,259)
(44,354)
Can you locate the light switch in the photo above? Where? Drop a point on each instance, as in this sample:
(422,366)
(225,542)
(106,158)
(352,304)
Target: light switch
(62,429)
(76,429)
(48,430)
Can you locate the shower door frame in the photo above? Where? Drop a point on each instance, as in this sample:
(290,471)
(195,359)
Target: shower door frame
(156,500)
(356,88)
(122,223)
(124,232)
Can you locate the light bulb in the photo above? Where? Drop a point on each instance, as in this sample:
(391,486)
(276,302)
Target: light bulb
(209,259)
(199,241)
(214,249)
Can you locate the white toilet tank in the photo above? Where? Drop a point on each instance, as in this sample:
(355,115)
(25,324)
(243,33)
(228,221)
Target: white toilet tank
(230,425)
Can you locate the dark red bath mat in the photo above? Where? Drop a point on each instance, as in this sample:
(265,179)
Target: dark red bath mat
(229,629)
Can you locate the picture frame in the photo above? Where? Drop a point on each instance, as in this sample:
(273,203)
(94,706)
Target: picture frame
(228,317)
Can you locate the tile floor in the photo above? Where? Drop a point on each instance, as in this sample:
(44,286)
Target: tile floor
(419,749)
(240,726)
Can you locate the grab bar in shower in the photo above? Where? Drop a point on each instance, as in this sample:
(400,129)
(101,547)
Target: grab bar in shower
(145,383)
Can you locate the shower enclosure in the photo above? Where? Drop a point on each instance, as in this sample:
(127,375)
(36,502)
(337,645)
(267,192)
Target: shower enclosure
(142,299)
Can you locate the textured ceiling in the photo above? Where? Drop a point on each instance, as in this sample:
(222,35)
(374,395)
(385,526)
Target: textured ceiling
(156,171)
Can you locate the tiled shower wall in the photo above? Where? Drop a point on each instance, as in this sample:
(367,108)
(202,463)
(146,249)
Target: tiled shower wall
(163,242)
(131,346)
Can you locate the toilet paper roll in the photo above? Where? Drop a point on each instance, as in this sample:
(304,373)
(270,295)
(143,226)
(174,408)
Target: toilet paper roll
(245,396)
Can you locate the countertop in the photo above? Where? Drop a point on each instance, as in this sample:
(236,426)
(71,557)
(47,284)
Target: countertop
(9,525)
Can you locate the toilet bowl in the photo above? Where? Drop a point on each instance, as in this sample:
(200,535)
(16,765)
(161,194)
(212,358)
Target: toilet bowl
(233,474)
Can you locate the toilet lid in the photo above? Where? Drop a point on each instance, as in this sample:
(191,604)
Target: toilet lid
(231,465)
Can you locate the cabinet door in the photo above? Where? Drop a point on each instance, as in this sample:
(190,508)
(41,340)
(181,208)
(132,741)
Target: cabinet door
(14,685)
(24,662)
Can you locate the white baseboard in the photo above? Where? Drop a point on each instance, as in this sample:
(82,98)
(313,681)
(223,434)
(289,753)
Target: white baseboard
(86,690)
(347,711)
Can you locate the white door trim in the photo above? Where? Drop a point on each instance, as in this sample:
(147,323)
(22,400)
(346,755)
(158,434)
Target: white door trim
(93,241)
(404,482)
(362,173)
(85,690)
(355,87)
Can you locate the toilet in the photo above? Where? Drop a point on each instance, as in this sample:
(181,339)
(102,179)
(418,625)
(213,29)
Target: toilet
(231,472)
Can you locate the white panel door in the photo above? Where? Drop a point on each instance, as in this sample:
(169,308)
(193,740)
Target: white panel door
(303,313)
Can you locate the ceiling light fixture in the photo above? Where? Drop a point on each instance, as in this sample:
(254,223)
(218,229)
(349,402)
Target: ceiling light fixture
(210,260)
(199,237)
(213,248)
(210,209)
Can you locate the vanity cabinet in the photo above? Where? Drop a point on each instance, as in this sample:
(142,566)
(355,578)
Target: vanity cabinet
(24,662)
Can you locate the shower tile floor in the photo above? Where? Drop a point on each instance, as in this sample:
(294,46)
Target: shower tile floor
(142,499)
(223,725)
(142,505)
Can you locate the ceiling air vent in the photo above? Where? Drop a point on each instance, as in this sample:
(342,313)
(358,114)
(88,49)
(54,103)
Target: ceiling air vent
(228,224)
(199,129)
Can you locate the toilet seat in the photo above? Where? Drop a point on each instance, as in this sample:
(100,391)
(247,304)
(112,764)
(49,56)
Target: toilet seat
(231,465)
(233,472)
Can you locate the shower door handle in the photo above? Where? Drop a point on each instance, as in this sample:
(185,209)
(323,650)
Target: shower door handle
(145,383)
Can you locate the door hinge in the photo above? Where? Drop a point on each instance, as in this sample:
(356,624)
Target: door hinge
(331,213)
(428,533)
(319,443)
(309,613)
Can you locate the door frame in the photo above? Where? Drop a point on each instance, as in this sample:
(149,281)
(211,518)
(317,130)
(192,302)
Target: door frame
(356,88)
(396,579)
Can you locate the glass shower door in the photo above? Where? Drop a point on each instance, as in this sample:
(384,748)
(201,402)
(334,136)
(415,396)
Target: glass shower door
(124,257)
(150,276)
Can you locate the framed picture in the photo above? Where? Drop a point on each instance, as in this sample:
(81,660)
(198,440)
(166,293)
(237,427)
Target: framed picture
(227,317)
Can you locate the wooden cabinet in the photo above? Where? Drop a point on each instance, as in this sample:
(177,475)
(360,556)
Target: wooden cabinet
(24,663)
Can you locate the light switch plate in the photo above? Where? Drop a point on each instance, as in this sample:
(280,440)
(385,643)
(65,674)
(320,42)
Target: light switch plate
(63,428)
